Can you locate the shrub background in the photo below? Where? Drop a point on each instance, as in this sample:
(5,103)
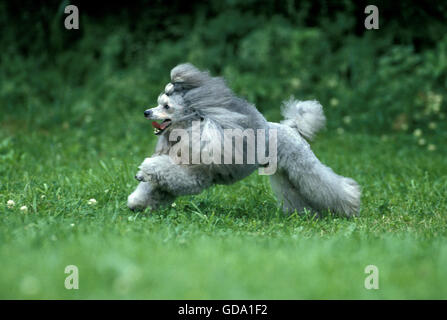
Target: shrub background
(390,80)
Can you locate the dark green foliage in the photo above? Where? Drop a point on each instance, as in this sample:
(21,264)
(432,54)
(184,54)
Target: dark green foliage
(386,80)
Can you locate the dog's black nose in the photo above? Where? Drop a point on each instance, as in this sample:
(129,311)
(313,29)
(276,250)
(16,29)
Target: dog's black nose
(147,113)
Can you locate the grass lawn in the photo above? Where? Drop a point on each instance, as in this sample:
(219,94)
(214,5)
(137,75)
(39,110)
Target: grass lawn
(227,243)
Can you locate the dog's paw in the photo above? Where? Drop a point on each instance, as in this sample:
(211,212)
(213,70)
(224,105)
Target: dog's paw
(137,201)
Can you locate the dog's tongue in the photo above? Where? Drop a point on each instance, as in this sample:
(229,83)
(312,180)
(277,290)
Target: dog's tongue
(160,126)
(155,124)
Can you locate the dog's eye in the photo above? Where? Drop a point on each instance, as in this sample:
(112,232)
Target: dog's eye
(166,106)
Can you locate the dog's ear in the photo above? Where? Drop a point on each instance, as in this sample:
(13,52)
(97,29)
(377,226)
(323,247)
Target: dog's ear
(188,77)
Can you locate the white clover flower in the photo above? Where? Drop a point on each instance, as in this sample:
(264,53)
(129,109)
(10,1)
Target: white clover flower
(333,102)
(72,225)
(431,147)
(422,142)
(173,205)
(92,202)
(24,208)
(10,204)
(417,133)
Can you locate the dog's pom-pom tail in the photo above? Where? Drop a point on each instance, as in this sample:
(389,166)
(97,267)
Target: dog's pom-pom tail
(305,116)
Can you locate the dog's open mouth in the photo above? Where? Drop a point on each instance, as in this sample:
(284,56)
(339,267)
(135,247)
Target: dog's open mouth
(160,127)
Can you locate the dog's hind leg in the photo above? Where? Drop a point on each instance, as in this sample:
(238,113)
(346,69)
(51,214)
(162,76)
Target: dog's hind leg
(286,194)
(316,183)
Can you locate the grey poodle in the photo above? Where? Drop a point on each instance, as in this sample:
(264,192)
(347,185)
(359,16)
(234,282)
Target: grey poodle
(198,114)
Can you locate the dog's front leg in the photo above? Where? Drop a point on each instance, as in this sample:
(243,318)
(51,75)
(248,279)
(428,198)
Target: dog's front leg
(173,178)
(148,195)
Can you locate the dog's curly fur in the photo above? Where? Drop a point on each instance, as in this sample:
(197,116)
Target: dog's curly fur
(301,180)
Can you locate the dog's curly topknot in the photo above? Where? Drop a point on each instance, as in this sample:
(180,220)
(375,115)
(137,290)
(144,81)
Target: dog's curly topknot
(209,96)
(189,76)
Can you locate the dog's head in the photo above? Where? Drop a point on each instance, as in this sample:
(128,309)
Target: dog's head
(170,109)
(191,95)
